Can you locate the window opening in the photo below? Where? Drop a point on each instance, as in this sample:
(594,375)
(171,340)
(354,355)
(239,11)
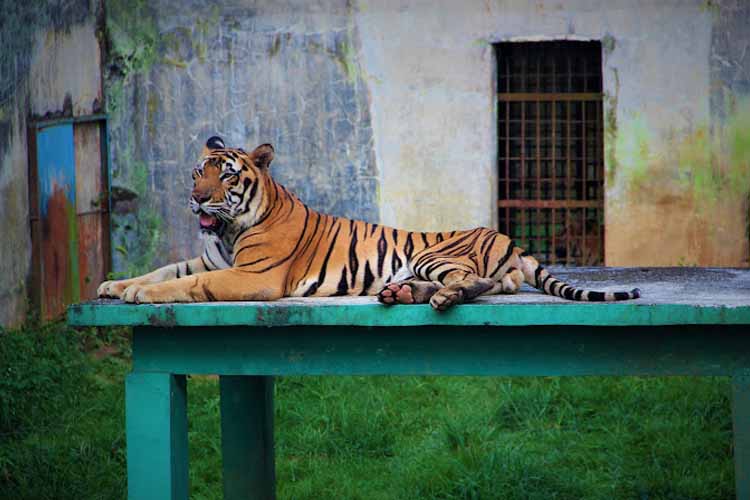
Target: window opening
(551,149)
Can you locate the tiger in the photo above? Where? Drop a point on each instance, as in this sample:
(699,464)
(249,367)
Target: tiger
(262,243)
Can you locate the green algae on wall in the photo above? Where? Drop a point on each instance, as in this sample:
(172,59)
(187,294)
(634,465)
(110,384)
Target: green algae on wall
(610,128)
(717,164)
(252,74)
(688,190)
(707,164)
(633,152)
(132,42)
(132,36)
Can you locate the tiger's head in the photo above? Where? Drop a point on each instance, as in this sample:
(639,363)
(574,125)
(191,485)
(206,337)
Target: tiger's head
(228,184)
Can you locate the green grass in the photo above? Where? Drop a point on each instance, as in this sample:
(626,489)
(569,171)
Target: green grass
(62,416)
(62,413)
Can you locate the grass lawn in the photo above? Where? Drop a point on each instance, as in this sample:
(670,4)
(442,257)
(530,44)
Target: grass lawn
(62,431)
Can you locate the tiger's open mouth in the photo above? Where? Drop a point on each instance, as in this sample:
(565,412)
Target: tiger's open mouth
(210,222)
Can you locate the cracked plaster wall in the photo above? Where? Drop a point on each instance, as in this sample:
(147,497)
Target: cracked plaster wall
(385,110)
(251,72)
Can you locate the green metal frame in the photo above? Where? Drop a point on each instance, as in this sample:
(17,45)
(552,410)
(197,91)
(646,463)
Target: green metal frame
(249,343)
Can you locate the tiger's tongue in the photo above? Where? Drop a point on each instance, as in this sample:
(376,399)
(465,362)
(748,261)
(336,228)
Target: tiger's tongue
(207,220)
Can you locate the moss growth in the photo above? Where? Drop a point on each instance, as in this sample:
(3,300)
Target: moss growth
(132,38)
(711,6)
(608,44)
(203,28)
(347,58)
(634,152)
(174,62)
(705,171)
(132,35)
(718,165)
(610,129)
(708,165)
(152,105)
(133,48)
(141,238)
(275,46)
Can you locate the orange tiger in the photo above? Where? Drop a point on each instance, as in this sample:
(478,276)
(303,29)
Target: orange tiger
(263,243)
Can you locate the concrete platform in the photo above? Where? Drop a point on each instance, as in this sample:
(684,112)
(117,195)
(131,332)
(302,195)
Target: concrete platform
(671,296)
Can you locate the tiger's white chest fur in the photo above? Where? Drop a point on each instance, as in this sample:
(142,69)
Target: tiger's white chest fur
(216,254)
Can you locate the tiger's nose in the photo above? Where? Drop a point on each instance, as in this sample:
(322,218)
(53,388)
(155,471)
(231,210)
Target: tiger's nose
(201,197)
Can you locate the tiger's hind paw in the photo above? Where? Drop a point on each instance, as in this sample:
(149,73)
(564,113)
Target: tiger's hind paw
(396,293)
(446,298)
(408,292)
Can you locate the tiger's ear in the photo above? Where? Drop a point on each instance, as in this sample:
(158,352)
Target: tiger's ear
(213,142)
(262,156)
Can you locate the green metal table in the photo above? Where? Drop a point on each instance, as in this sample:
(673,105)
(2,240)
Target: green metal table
(690,322)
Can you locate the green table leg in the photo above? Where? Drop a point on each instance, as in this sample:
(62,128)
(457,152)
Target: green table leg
(741,425)
(156,426)
(247,437)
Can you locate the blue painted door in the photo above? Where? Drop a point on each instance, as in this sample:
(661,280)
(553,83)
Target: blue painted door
(57,211)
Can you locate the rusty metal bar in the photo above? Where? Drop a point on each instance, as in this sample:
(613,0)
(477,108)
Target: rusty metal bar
(584,168)
(539,96)
(567,181)
(584,165)
(534,228)
(547,204)
(523,168)
(507,151)
(600,177)
(553,103)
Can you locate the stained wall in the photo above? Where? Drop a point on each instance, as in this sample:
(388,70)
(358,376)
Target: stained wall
(675,81)
(49,67)
(385,110)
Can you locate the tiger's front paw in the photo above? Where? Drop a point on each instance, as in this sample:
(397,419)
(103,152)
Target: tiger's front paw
(139,294)
(169,291)
(112,289)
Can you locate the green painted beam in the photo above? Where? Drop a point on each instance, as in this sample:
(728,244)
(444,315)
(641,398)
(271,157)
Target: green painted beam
(507,351)
(369,313)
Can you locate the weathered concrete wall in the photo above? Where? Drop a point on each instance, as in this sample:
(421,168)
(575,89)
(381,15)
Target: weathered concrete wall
(435,120)
(386,110)
(252,72)
(49,66)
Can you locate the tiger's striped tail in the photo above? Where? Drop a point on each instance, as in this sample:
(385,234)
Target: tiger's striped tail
(538,277)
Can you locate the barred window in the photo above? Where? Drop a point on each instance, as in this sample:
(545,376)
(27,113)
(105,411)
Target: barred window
(551,149)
